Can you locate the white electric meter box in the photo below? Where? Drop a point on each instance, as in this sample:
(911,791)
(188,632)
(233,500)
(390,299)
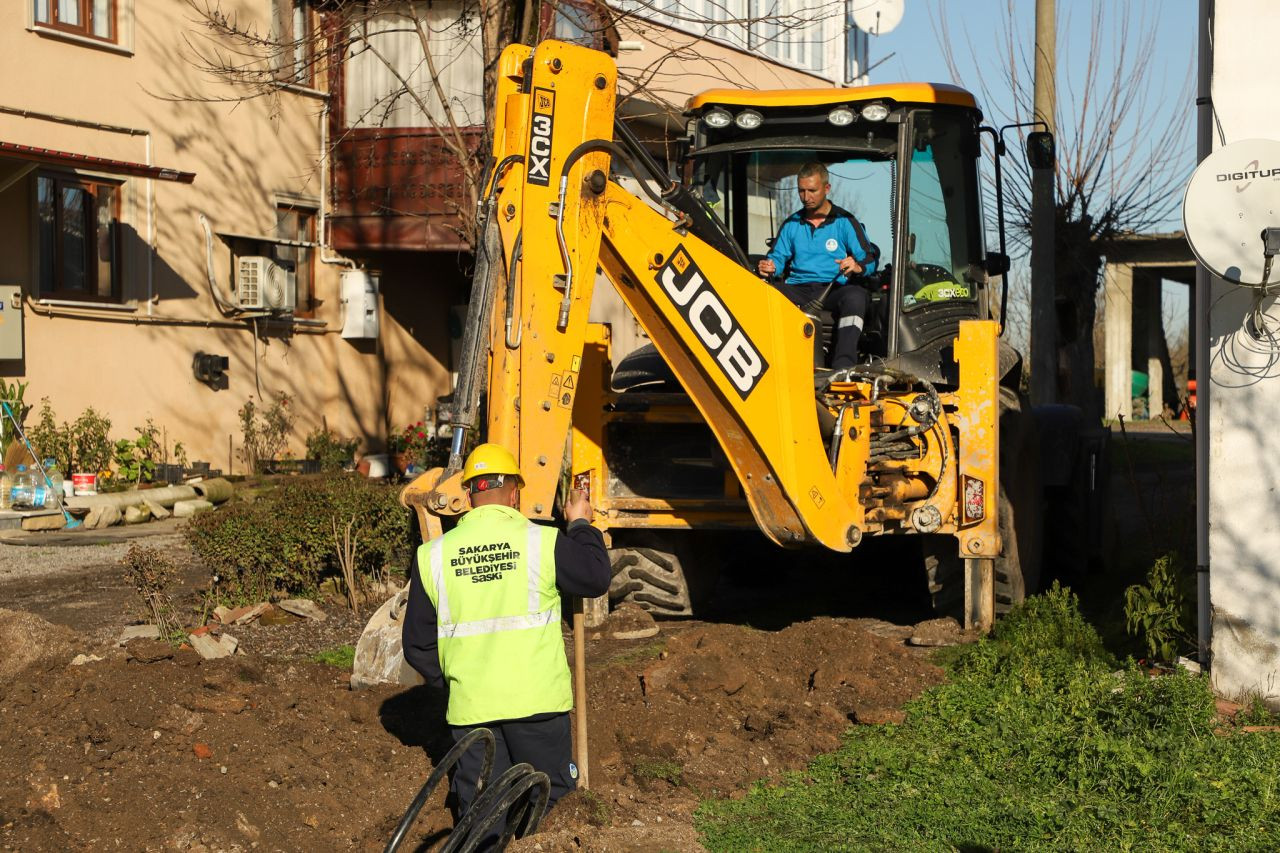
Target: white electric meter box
(359,305)
(10,322)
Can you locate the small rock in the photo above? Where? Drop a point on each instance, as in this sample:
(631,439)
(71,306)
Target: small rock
(223,770)
(629,622)
(937,632)
(311,821)
(240,615)
(138,632)
(105,515)
(136,514)
(637,822)
(44,522)
(304,607)
(150,651)
(229,643)
(202,750)
(186,509)
(207,647)
(1189,665)
(157,512)
(81,660)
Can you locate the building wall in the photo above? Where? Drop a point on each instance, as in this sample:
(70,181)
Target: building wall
(247,155)
(1244,404)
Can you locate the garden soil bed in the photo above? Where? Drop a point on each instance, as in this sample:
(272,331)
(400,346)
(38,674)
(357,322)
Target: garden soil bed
(155,749)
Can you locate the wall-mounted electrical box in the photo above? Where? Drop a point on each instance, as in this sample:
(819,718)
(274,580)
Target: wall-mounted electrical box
(10,322)
(359,305)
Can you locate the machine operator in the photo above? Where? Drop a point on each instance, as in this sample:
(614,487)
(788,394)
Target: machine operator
(819,244)
(483,622)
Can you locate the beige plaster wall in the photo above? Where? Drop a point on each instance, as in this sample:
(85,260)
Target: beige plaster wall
(136,364)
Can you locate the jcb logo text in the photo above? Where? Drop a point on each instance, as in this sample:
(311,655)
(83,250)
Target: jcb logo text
(704,311)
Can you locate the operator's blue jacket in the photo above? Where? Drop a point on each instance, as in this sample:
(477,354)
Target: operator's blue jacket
(812,255)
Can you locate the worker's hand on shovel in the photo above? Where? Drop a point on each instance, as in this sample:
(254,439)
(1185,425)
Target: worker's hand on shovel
(578,506)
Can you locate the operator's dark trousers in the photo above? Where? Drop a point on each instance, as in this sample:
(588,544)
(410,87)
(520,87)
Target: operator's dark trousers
(848,302)
(544,741)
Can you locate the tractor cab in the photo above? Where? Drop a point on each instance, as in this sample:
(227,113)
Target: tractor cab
(903,159)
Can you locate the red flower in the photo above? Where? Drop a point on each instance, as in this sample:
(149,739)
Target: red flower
(422,435)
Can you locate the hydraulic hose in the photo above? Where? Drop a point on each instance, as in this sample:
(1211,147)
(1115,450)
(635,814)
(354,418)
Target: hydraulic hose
(508,799)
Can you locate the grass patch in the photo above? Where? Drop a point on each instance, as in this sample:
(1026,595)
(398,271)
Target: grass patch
(649,651)
(659,770)
(343,657)
(1040,741)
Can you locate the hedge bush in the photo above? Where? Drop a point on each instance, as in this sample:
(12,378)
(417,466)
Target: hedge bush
(282,543)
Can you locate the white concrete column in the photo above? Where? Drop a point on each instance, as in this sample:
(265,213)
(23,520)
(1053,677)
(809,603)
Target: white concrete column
(1155,346)
(1118,339)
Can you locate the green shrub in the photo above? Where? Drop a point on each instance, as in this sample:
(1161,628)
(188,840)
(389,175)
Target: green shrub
(333,452)
(1038,742)
(265,433)
(282,543)
(1159,612)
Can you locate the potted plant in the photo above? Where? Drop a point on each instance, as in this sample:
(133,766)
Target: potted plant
(411,446)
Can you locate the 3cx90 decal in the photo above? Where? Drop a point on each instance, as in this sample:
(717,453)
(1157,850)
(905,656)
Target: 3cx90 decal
(704,311)
(544,107)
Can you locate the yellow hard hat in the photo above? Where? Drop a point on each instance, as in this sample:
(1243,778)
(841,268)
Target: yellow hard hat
(488,459)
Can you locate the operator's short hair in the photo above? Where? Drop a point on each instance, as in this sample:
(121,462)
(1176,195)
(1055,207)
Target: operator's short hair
(808,170)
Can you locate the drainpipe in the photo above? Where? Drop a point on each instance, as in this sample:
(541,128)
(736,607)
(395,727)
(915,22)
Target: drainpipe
(326,175)
(1204,146)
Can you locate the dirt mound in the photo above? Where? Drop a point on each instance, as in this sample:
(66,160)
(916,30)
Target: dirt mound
(158,749)
(27,640)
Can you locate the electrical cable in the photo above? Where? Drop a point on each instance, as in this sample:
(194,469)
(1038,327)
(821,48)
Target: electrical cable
(506,799)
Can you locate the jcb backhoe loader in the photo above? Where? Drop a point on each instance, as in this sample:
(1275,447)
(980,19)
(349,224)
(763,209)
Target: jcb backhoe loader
(723,422)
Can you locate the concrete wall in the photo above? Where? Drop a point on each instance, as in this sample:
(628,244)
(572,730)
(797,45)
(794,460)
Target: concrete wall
(134,364)
(1244,406)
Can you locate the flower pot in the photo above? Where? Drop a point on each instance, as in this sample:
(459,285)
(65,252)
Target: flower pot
(402,462)
(84,484)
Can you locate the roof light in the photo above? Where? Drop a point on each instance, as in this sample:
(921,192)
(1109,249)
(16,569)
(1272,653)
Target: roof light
(840,117)
(875,112)
(748,119)
(717,118)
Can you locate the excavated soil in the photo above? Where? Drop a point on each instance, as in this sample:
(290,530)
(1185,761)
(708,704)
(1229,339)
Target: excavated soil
(152,748)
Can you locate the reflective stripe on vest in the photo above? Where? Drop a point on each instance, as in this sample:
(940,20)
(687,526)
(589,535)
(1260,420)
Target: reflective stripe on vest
(535,618)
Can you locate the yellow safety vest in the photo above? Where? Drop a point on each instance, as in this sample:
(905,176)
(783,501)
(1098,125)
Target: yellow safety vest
(492,580)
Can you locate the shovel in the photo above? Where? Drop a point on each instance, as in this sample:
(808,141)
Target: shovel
(56,491)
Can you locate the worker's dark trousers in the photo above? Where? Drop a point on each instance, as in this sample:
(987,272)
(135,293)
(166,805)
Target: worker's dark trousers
(848,302)
(546,743)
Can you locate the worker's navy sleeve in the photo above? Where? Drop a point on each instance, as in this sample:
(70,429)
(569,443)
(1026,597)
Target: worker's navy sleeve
(582,561)
(858,243)
(418,636)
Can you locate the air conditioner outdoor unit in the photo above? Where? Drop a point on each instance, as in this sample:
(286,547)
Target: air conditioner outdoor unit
(265,284)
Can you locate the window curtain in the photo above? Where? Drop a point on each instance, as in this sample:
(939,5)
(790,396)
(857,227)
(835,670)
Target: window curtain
(386,46)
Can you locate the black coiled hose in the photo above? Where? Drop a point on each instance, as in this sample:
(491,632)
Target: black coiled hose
(492,802)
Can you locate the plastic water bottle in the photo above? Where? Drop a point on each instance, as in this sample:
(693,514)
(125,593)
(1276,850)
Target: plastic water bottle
(54,484)
(6,489)
(23,484)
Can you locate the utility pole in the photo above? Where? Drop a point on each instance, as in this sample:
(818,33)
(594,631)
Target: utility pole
(1044,322)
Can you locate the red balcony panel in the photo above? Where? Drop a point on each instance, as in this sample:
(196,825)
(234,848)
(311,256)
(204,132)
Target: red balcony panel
(397,188)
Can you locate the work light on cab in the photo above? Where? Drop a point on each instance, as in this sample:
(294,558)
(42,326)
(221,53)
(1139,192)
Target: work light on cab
(840,117)
(875,112)
(748,119)
(718,118)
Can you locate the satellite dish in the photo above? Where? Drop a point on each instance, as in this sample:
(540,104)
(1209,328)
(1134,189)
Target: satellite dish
(1233,196)
(877,17)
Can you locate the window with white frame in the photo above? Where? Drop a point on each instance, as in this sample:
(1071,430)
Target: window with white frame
(386,47)
(294,59)
(792,32)
(92,18)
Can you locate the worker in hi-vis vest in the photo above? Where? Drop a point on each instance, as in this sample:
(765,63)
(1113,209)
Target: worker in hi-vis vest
(483,622)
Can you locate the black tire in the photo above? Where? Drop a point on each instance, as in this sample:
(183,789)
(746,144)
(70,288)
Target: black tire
(1020,521)
(644,370)
(664,573)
